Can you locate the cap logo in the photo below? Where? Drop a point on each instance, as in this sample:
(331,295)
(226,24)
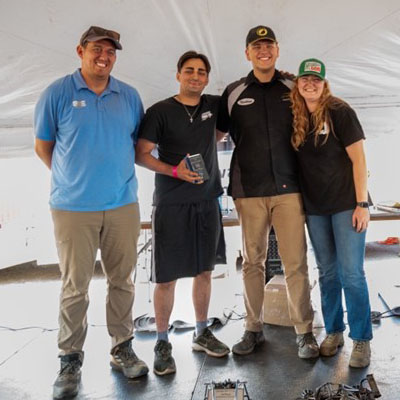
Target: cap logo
(262,31)
(312,66)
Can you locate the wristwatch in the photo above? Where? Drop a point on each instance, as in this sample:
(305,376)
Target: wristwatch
(363,204)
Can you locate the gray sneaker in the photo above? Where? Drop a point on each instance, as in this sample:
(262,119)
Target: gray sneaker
(331,343)
(248,342)
(124,359)
(69,378)
(208,343)
(361,354)
(308,346)
(164,363)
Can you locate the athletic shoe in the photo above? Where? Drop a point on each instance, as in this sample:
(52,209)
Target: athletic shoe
(124,359)
(248,342)
(208,343)
(308,346)
(164,363)
(69,378)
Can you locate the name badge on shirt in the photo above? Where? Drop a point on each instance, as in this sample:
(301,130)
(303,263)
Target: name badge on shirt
(79,103)
(245,102)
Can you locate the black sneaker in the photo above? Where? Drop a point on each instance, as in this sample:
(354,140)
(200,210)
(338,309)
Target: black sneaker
(164,363)
(248,343)
(124,359)
(69,378)
(208,343)
(308,346)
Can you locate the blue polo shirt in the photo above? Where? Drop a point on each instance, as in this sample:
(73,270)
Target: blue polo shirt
(93,163)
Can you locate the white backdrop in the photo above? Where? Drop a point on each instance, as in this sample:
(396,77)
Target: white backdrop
(359,41)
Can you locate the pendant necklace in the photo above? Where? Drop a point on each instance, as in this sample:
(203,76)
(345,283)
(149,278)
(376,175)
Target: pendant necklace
(190,115)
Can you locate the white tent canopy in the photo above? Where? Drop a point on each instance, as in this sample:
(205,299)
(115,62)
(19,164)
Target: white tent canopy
(359,41)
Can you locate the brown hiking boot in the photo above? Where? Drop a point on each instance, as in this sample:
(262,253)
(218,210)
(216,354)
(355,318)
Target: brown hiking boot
(331,343)
(361,354)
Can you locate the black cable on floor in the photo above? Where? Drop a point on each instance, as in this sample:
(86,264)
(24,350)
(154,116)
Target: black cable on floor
(27,328)
(7,328)
(376,316)
(231,315)
(198,377)
(17,351)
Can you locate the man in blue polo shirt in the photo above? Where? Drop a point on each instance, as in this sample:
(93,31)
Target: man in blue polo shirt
(86,128)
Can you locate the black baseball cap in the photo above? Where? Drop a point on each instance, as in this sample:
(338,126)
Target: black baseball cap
(258,33)
(95,33)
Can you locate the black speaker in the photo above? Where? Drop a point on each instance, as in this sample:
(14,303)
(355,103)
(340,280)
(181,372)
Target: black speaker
(273,264)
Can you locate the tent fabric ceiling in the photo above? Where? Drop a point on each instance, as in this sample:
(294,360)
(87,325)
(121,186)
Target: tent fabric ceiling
(358,40)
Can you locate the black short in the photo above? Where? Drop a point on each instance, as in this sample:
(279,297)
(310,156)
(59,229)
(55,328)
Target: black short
(188,239)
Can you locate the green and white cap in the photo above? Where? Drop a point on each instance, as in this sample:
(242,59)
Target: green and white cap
(312,66)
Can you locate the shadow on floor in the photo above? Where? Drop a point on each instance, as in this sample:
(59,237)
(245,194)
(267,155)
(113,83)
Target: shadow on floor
(28,362)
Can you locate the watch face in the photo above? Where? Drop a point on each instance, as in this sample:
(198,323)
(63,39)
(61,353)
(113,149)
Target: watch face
(363,204)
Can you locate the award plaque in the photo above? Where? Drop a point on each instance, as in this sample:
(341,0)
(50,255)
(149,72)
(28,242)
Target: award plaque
(195,163)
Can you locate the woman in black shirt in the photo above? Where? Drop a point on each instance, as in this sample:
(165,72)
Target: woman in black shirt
(333,176)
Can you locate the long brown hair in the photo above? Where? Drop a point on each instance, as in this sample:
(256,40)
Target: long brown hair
(301,115)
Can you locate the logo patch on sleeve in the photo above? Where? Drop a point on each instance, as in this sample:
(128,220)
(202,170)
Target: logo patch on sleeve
(245,102)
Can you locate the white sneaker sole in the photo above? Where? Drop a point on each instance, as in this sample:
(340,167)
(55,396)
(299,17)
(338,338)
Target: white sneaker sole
(165,372)
(135,372)
(197,347)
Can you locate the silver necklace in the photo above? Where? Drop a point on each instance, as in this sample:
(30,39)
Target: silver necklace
(191,116)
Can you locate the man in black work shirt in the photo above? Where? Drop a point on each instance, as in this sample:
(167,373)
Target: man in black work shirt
(264,185)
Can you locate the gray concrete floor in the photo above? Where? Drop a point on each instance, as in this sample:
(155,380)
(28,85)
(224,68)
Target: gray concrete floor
(28,350)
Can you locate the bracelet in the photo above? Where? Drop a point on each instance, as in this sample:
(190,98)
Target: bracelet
(174,171)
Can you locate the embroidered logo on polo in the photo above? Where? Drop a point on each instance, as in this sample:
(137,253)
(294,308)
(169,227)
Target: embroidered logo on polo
(245,102)
(79,103)
(312,66)
(206,115)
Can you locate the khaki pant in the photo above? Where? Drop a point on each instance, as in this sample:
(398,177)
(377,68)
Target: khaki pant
(78,237)
(285,213)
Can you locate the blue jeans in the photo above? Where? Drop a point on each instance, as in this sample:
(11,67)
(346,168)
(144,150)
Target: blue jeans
(339,252)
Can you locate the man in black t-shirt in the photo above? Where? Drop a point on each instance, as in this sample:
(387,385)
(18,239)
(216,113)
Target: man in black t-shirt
(264,185)
(188,236)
